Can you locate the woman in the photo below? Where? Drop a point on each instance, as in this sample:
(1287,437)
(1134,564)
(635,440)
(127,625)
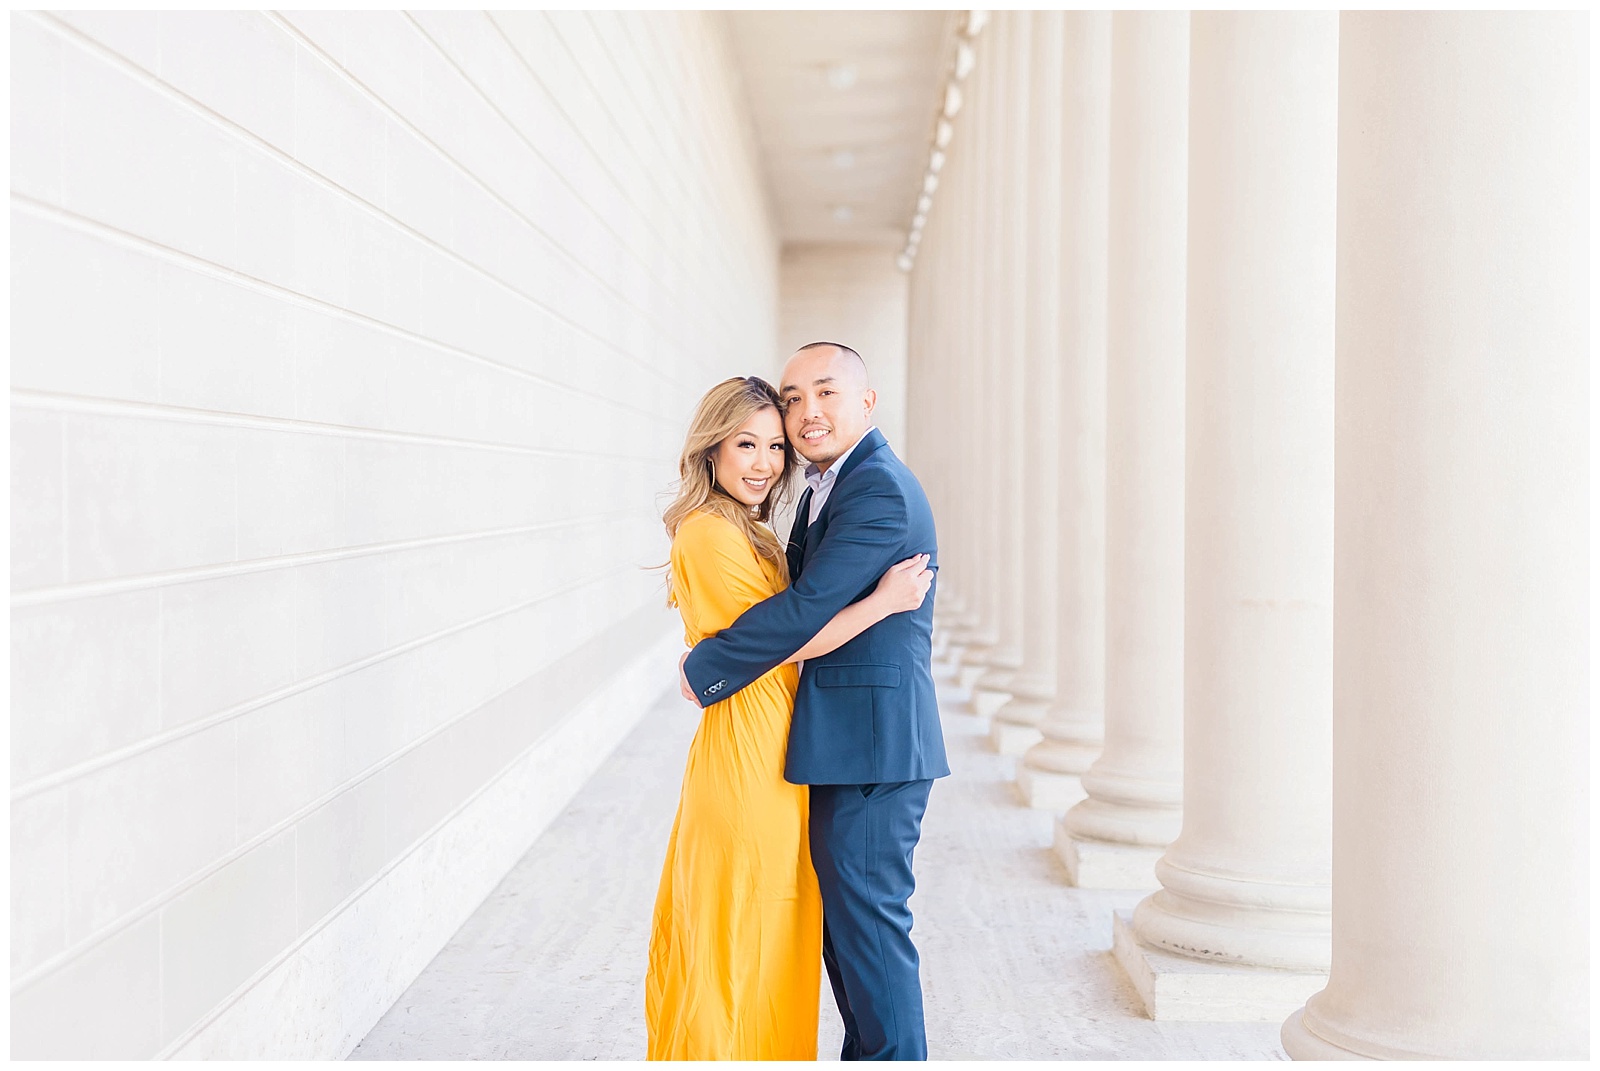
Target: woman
(736,940)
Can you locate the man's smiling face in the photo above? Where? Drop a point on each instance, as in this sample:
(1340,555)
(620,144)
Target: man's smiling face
(827,404)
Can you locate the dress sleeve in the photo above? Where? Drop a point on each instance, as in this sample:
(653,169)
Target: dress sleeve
(717,572)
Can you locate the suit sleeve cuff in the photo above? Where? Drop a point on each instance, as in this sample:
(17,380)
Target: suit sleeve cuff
(708,688)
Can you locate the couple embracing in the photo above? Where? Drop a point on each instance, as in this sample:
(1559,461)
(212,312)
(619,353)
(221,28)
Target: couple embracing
(806,782)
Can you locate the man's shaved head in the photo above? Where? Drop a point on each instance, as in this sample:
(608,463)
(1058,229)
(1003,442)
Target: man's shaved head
(851,355)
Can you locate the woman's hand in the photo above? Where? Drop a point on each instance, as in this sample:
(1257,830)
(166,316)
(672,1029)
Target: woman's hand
(904,586)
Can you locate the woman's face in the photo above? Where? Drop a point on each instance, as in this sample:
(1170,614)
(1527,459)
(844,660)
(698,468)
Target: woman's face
(747,462)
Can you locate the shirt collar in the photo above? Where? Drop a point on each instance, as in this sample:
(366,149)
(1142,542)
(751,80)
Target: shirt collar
(816,478)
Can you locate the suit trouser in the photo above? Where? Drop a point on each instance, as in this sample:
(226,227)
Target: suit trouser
(862,838)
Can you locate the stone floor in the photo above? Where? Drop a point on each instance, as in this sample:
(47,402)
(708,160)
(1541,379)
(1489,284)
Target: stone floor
(1016,964)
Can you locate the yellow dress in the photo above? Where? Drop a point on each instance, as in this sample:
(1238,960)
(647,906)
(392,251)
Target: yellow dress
(736,940)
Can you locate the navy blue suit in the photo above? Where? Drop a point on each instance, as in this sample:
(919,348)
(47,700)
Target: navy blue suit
(865,734)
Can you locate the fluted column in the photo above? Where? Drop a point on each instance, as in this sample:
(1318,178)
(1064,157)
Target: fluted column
(930,386)
(943,313)
(1032,686)
(1067,739)
(1246,884)
(958,204)
(1135,788)
(1013,30)
(1460,633)
(980,631)
(941,466)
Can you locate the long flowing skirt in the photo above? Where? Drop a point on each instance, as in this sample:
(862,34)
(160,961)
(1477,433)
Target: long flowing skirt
(736,940)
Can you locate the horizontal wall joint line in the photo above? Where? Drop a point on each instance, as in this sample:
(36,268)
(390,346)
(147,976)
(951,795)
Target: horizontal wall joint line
(265,147)
(293,32)
(61,402)
(145,581)
(150,743)
(189,261)
(366,886)
(156,903)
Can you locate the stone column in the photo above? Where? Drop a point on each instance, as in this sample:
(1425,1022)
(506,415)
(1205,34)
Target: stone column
(1005,445)
(1135,788)
(1063,743)
(958,195)
(1460,631)
(1032,686)
(1246,883)
(959,301)
(980,632)
(938,316)
(930,387)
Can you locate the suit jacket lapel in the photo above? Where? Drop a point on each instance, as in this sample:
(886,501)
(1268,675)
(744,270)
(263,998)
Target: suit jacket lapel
(812,535)
(869,445)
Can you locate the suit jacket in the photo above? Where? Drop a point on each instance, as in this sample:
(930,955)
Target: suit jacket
(865,713)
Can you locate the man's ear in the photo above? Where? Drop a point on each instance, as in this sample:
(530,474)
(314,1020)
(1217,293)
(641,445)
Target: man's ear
(871,400)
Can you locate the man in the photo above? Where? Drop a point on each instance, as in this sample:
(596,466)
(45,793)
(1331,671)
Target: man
(865,734)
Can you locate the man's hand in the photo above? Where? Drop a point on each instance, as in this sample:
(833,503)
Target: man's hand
(683,682)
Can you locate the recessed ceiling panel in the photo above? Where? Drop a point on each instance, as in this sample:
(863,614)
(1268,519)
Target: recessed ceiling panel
(844,105)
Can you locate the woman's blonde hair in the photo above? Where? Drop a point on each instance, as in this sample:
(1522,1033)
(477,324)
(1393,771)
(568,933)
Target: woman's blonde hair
(723,411)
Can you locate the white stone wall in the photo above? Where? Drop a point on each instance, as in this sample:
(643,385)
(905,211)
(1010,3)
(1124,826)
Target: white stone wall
(349,355)
(852,294)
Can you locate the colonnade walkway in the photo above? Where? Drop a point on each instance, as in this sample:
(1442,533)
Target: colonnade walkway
(1016,963)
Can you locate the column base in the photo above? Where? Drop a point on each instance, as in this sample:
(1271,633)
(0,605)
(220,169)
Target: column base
(1175,988)
(986,701)
(998,679)
(978,652)
(967,675)
(948,667)
(1098,864)
(961,710)
(1047,790)
(1009,738)
(1122,824)
(1005,658)
(1034,687)
(1301,1043)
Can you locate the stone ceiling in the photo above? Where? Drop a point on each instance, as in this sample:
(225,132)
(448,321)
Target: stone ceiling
(844,104)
